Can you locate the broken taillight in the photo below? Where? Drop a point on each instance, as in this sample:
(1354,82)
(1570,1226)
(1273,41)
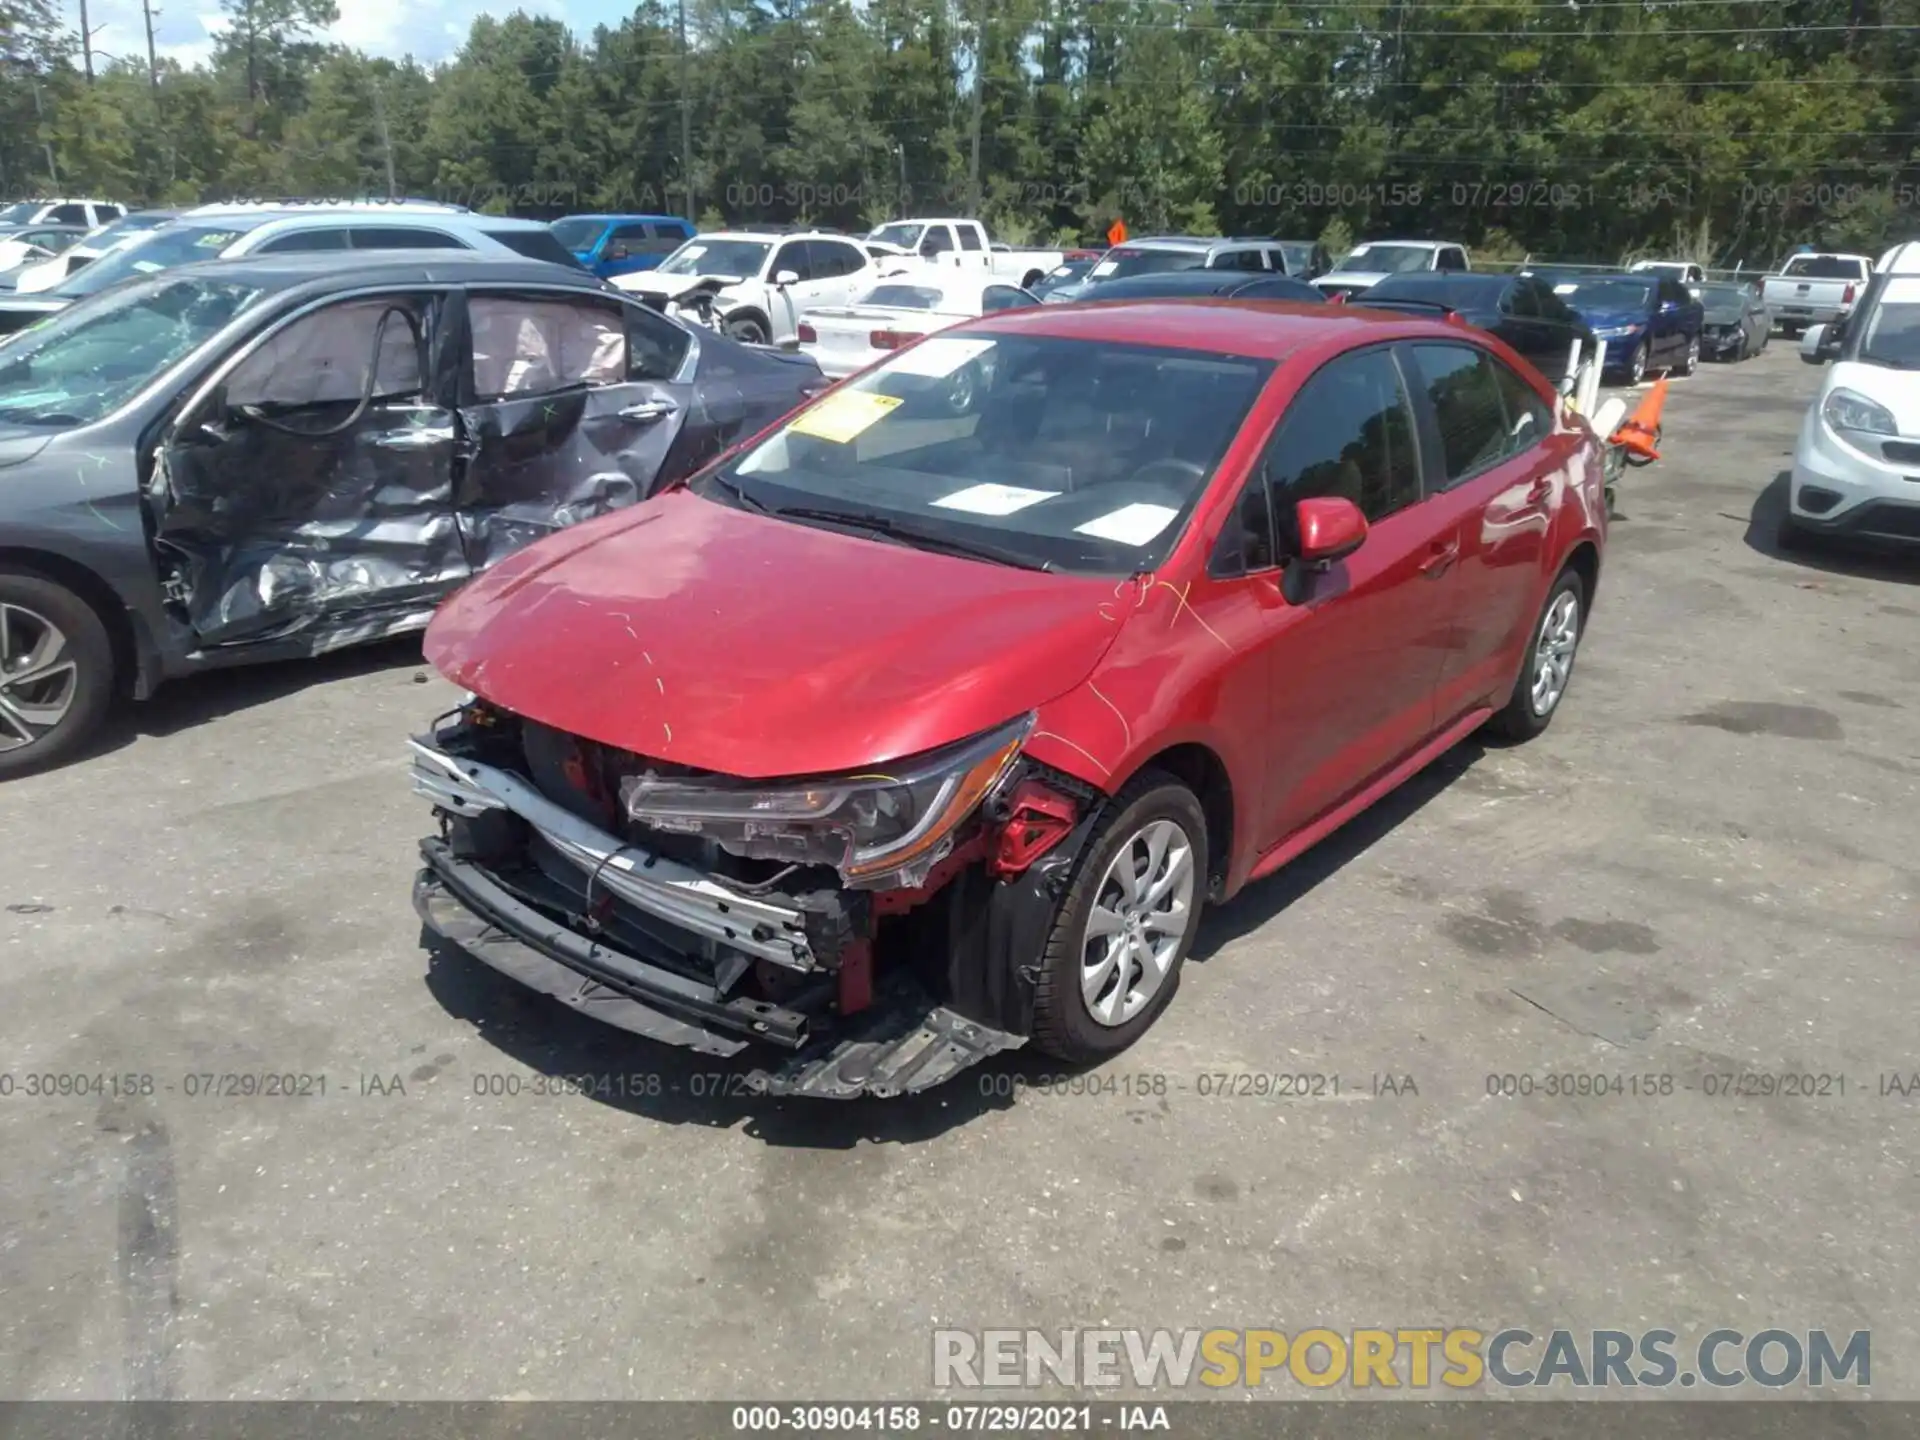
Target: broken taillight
(892,339)
(808,335)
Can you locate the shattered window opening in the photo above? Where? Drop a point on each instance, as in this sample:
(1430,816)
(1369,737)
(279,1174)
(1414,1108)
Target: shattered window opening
(527,346)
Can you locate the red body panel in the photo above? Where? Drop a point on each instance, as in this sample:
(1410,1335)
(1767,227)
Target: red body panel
(741,643)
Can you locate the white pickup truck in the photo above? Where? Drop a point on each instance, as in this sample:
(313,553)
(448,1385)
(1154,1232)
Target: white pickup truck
(1815,289)
(966,245)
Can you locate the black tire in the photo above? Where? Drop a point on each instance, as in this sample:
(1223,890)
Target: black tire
(33,600)
(1789,332)
(1520,719)
(747,329)
(1062,1025)
(1740,351)
(1790,534)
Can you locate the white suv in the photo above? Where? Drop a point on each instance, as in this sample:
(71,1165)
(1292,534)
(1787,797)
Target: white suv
(217,232)
(1856,466)
(88,213)
(771,277)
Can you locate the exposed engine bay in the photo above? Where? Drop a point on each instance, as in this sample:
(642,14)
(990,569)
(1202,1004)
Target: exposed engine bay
(884,931)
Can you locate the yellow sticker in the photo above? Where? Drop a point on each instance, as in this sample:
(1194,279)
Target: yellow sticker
(844,415)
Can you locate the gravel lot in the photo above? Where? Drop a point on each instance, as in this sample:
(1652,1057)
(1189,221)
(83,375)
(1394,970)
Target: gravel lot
(1708,865)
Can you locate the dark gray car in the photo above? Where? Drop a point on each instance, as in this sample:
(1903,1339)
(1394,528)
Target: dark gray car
(1737,322)
(279,456)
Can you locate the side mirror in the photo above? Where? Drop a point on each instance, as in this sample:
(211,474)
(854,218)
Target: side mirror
(1330,529)
(787,277)
(1812,343)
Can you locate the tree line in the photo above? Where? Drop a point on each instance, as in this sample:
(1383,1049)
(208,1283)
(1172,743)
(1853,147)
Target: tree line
(1722,130)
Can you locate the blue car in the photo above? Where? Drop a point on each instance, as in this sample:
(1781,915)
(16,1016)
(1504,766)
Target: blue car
(611,245)
(1648,322)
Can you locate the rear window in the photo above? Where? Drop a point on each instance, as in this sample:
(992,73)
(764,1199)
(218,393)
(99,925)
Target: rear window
(1825,267)
(535,245)
(903,297)
(1119,264)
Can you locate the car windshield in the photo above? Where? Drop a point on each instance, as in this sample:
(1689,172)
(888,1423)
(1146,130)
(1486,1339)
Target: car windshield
(1663,268)
(1892,336)
(903,297)
(907,237)
(728,259)
(577,234)
(1606,294)
(20,212)
(162,250)
(81,364)
(1118,264)
(1824,267)
(1724,301)
(1388,259)
(1459,293)
(1038,451)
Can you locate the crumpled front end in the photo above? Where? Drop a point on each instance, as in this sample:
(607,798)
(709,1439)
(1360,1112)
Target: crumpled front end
(859,951)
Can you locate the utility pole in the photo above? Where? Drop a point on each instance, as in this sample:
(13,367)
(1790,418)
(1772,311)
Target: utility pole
(386,136)
(686,118)
(86,43)
(147,13)
(979,87)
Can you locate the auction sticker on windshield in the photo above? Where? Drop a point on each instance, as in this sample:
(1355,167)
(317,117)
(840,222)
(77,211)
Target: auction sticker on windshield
(993,499)
(844,415)
(939,357)
(1130,524)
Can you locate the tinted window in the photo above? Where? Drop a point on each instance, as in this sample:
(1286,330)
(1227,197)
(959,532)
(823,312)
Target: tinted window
(535,245)
(793,256)
(1529,421)
(939,239)
(399,237)
(70,215)
(577,233)
(1825,267)
(1246,542)
(1452,260)
(1236,260)
(1520,300)
(835,257)
(1460,386)
(970,238)
(527,346)
(655,345)
(1004,297)
(1348,433)
(332,239)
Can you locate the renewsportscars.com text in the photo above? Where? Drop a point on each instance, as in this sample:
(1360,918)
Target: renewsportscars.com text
(1421,1358)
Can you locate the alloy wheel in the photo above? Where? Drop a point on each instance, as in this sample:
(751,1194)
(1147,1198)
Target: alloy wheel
(1553,653)
(38,677)
(1138,920)
(1638,365)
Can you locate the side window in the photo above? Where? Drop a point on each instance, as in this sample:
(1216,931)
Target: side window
(1004,297)
(655,345)
(527,346)
(1521,300)
(1241,260)
(322,358)
(970,238)
(328,239)
(792,256)
(68,215)
(1246,541)
(662,239)
(939,239)
(399,237)
(851,257)
(1348,433)
(626,240)
(1529,421)
(1466,403)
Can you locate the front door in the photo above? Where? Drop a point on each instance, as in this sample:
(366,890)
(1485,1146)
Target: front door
(571,407)
(1356,658)
(310,492)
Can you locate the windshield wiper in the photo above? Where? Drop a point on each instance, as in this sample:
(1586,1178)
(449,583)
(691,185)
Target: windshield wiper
(738,492)
(916,536)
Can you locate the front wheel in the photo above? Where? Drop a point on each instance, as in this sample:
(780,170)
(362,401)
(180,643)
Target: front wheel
(747,329)
(1637,366)
(1123,930)
(56,673)
(1549,665)
(1692,361)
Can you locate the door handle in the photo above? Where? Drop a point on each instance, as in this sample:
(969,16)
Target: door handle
(1440,557)
(647,411)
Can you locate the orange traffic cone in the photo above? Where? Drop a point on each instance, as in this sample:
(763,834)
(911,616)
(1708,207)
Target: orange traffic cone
(1640,430)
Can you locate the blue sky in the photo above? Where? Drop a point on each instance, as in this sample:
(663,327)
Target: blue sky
(430,30)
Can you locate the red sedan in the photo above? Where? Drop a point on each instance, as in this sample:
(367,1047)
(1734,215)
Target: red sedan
(924,724)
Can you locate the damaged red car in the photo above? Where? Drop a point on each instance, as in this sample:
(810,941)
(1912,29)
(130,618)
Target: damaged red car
(925,724)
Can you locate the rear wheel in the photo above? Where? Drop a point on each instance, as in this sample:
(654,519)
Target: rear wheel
(56,672)
(1691,362)
(1549,665)
(1123,930)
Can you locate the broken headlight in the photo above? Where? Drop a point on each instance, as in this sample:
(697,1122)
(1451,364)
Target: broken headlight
(875,828)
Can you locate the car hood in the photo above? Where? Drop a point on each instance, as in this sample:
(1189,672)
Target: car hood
(1724,317)
(735,642)
(652,282)
(1611,319)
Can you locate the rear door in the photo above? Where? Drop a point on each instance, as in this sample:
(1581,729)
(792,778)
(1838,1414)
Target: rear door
(1498,468)
(841,270)
(1360,646)
(571,404)
(283,505)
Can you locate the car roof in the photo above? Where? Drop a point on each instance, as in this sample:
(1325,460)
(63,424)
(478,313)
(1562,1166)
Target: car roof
(1173,283)
(1252,329)
(1410,244)
(622,215)
(322,270)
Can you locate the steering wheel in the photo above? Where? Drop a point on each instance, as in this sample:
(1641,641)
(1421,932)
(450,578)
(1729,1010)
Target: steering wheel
(1168,468)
